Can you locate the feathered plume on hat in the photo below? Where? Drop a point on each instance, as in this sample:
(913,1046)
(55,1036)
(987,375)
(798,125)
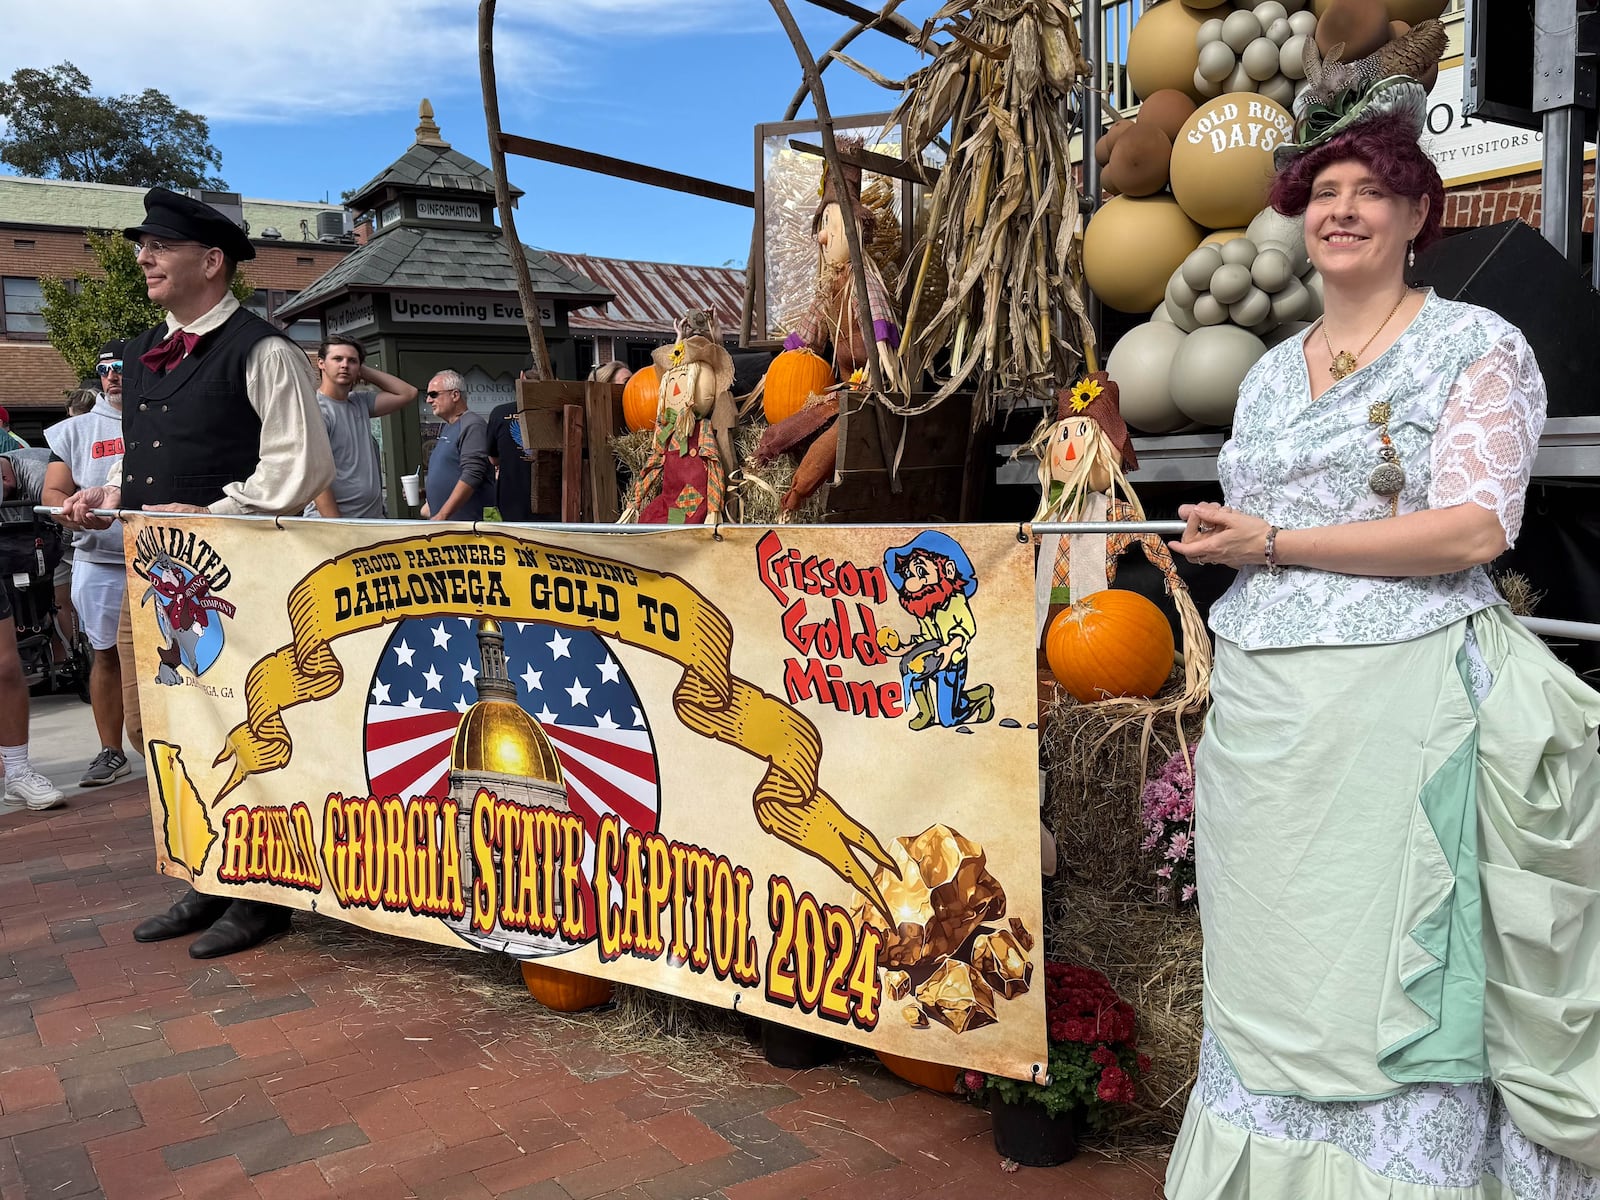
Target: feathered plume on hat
(1340,95)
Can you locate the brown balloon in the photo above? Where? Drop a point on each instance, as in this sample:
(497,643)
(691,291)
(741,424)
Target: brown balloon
(1140,162)
(1167,110)
(1109,139)
(1361,26)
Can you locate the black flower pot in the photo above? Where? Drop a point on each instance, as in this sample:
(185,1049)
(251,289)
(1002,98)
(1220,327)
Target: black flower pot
(1027,1134)
(795,1049)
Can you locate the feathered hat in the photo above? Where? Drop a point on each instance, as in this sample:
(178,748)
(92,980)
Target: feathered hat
(1340,95)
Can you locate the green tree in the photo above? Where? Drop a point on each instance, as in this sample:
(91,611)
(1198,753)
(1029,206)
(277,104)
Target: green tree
(55,128)
(83,314)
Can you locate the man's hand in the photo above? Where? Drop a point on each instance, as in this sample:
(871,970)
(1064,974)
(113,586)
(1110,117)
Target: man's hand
(77,510)
(176,508)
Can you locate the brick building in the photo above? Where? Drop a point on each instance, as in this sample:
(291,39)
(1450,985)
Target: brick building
(42,224)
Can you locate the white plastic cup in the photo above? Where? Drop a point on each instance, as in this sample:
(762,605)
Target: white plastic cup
(412,484)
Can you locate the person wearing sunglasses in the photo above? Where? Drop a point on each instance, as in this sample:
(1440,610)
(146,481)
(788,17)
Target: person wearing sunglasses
(460,480)
(83,450)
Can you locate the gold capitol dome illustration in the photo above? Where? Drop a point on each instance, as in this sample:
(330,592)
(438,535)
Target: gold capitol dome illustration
(496,738)
(500,748)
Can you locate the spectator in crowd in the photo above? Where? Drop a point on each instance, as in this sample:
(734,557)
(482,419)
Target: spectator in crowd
(357,488)
(8,440)
(255,424)
(459,486)
(82,400)
(83,450)
(21,480)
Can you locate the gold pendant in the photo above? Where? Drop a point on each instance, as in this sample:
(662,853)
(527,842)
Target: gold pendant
(1343,364)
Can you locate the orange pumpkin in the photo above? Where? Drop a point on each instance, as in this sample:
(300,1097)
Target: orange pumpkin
(564,991)
(1113,643)
(793,376)
(640,399)
(935,1077)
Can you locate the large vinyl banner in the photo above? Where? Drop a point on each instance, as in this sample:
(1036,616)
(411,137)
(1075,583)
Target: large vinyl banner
(792,771)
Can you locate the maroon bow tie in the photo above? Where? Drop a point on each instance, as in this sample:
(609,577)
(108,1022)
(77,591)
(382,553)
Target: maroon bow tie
(171,352)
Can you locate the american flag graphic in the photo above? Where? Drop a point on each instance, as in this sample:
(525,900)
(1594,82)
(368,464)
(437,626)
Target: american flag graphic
(567,680)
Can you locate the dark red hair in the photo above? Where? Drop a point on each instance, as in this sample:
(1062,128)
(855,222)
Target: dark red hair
(1387,148)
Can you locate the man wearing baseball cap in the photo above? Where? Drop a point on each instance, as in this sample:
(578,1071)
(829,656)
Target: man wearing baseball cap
(219,415)
(83,450)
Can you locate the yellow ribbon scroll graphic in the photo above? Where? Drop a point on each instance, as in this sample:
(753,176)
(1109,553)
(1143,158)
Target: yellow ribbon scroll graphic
(509,578)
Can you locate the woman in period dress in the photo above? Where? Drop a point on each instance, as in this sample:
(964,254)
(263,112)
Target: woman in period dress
(1398,792)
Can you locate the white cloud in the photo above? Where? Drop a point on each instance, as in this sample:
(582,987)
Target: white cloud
(251,60)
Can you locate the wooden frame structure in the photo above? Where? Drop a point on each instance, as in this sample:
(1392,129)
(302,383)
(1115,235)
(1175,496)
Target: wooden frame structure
(941,448)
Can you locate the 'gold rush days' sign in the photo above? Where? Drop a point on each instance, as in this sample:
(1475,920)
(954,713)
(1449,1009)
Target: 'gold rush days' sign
(792,770)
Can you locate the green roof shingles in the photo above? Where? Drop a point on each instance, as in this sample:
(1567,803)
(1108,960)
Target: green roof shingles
(442,260)
(439,168)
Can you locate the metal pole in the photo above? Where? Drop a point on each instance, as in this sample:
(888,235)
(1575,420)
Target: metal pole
(1562,88)
(1094,28)
(1561,184)
(1094,47)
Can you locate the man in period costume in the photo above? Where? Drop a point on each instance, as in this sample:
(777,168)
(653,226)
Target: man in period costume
(219,415)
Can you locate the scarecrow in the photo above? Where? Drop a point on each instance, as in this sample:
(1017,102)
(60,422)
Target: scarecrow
(830,321)
(691,454)
(1084,456)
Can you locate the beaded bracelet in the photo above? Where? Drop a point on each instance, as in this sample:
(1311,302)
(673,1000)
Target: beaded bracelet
(1271,551)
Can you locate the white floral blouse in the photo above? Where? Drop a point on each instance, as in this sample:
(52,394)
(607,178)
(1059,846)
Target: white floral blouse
(1468,406)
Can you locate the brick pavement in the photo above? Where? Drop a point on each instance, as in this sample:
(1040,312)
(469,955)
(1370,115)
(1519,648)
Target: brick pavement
(337,1063)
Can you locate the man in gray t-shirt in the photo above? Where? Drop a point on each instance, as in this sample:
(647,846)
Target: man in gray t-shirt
(357,488)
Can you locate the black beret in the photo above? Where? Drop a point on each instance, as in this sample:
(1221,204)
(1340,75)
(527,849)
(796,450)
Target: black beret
(169,214)
(112,349)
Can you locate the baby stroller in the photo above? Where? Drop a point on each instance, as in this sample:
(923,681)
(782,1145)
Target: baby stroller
(31,546)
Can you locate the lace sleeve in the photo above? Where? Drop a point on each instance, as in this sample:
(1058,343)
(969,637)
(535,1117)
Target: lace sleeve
(1489,432)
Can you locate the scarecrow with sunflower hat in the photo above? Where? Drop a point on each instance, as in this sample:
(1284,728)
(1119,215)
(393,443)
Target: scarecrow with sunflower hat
(1084,455)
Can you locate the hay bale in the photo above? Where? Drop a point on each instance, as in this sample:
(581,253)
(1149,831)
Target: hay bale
(761,488)
(1095,763)
(1100,909)
(1151,955)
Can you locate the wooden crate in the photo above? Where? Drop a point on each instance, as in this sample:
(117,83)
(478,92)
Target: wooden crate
(941,469)
(558,416)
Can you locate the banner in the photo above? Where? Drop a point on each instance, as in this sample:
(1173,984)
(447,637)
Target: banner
(792,771)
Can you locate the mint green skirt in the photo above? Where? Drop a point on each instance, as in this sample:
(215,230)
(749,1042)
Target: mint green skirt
(1398,862)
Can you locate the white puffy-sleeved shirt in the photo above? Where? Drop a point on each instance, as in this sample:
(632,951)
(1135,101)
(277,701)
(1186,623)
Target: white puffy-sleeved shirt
(1468,406)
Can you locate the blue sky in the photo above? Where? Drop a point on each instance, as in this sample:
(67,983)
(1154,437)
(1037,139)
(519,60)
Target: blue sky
(307,98)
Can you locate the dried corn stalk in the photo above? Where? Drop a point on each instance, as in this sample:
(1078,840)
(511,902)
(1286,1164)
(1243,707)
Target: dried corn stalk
(1004,216)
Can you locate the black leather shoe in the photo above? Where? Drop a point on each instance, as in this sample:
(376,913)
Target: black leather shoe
(193,912)
(247,923)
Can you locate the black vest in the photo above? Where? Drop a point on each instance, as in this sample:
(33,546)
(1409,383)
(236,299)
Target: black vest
(187,433)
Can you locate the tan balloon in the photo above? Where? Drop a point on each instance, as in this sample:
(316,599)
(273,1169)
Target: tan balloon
(1220,236)
(1222,158)
(1208,369)
(1141,365)
(1132,247)
(1162,49)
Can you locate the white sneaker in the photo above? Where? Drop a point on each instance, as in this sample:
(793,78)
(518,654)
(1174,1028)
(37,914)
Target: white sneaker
(34,790)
